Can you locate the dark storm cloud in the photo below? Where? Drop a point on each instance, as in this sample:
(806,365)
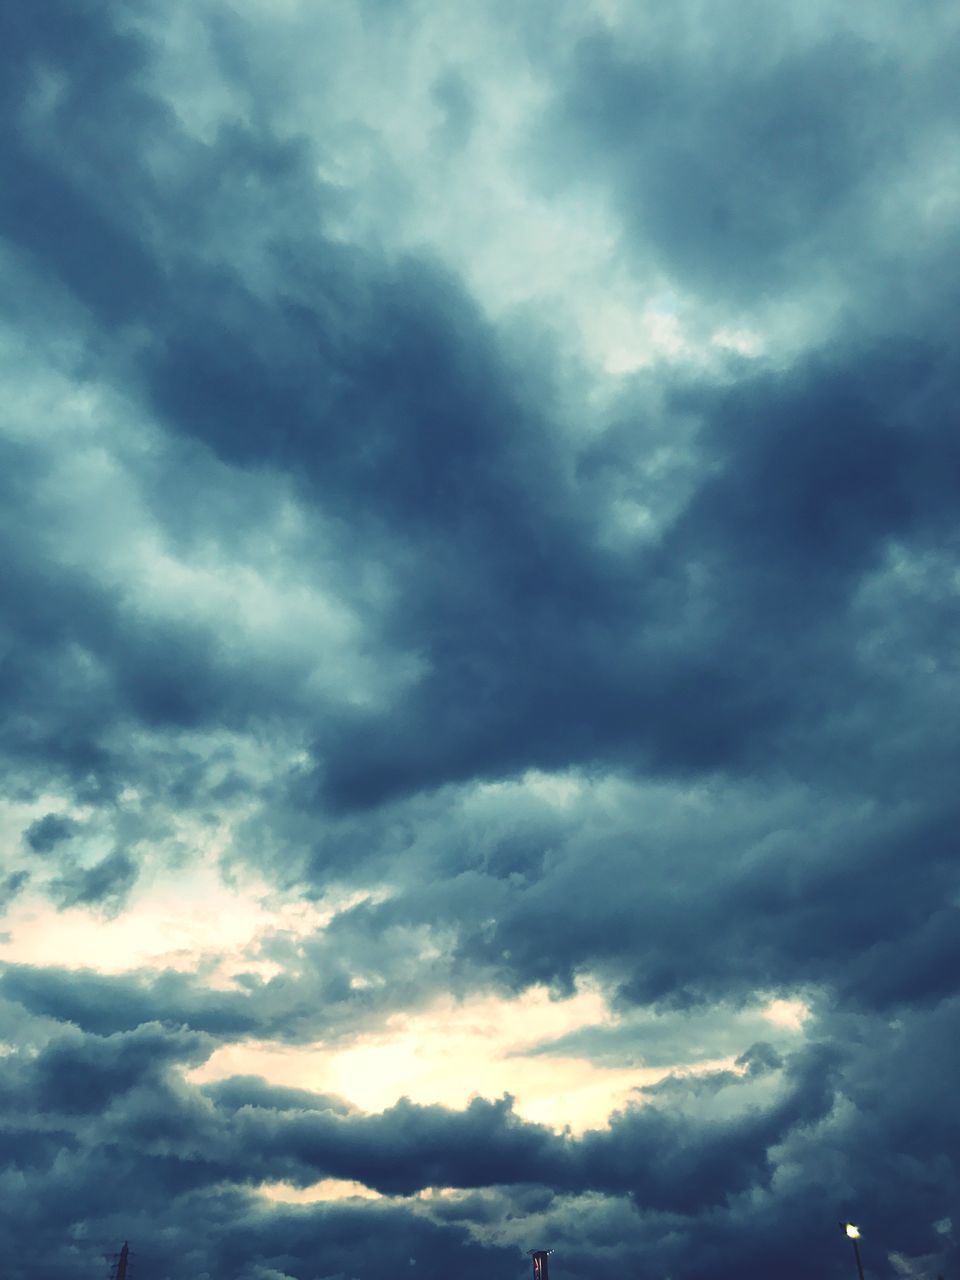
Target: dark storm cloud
(81,659)
(780,648)
(753,157)
(183,1224)
(397,410)
(384,390)
(815,475)
(381,388)
(59,219)
(77,661)
(174,1144)
(318,1002)
(245,1132)
(648,1153)
(11,885)
(106,883)
(77,1075)
(105,1004)
(49,831)
(819,472)
(343,1241)
(678,899)
(251,1091)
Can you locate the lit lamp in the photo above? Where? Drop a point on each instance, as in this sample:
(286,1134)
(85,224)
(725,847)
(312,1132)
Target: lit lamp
(853,1235)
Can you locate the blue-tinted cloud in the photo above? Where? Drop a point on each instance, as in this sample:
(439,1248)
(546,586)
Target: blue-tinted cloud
(488,483)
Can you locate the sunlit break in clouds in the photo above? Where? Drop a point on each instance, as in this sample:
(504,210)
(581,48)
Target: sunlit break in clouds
(480,603)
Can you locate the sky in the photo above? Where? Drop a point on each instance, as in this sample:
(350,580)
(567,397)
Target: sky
(480,579)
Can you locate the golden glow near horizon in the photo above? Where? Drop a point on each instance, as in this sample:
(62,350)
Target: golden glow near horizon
(326,1190)
(452,1052)
(445,1053)
(189,922)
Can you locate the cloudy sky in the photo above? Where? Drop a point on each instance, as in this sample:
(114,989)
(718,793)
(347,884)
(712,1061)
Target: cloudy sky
(480,590)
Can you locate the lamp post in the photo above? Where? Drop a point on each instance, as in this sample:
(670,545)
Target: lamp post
(853,1235)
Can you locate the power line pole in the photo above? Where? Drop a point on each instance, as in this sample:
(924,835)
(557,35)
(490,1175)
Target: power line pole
(540,1268)
(120,1267)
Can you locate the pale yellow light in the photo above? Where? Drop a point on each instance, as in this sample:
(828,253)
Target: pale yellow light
(324,1191)
(190,922)
(852,1231)
(789,1014)
(454,1051)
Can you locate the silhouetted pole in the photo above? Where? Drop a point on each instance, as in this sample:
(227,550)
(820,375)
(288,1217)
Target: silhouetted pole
(122,1264)
(856,1254)
(853,1235)
(540,1268)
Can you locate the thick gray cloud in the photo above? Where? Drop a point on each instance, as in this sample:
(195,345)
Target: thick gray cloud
(105,1005)
(753,156)
(107,882)
(49,831)
(112,1106)
(324,559)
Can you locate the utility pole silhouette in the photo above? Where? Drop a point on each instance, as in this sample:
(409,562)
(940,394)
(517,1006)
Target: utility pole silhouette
(119,1271)
(541,1270)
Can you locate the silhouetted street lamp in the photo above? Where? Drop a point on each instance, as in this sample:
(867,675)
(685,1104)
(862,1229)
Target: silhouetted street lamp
(853,1235)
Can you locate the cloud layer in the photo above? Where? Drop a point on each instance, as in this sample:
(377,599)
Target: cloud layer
(479,579)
